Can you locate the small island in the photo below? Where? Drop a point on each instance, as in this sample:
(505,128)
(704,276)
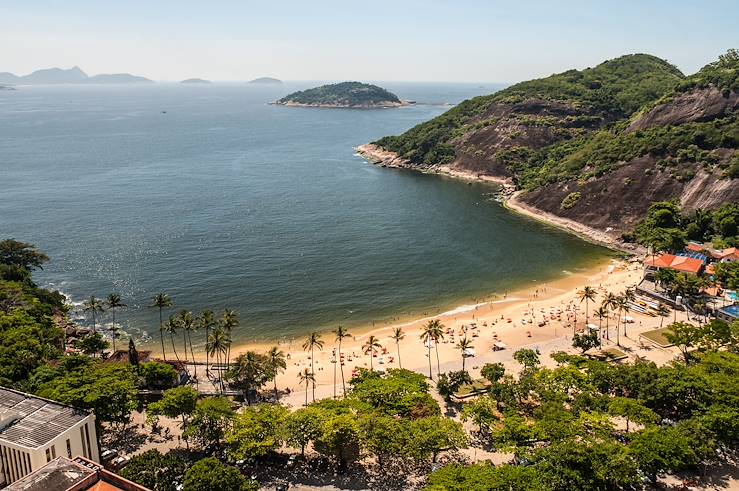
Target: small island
(266,80)
(344,95)
(195,81)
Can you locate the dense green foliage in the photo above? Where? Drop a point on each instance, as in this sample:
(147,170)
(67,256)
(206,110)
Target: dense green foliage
(723,73)
(209,474)
(156,471)
(342,94)
(667,228)
(108,389)
(727,274)
(615,88)
(560,421)
(392,417)
(596,154)
(28,335)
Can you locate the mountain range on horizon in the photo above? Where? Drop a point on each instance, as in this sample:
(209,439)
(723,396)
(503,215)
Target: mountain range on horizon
(74,75)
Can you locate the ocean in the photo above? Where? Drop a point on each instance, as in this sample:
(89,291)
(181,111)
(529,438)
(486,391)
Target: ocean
(210,194)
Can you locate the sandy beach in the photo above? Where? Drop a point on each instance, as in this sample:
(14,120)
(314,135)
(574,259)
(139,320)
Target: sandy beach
(541,316)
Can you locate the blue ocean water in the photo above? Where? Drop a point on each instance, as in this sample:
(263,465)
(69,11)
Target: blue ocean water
(212,195)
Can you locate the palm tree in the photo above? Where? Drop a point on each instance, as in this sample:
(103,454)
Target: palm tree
(665,277)
(369,346)
(437,331)
(341,333)
(95,306)
(625,308)
(188,324)
(247,373)
(601,313)
(462,346)
(609,302)
(587,294)
(662,311)
(115,333)
(306,377)
(206,320)
(427,336)
(398,336)
(620,306)
(311,342)
(217,345)
(114,302)
(161,301)
(229,320)
(171,327)
(277,363)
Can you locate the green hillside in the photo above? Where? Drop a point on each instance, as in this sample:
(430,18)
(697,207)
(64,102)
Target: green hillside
(612,90)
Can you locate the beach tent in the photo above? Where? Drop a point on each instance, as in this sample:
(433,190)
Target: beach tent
(593,327)
(468,352)
(628,319)
(499,346)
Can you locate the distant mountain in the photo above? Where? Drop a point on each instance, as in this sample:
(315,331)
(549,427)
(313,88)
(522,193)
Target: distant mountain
(8,78)
(117,78)
(73,75)
(343,95)
(195,81)
(265,80)
(6,87)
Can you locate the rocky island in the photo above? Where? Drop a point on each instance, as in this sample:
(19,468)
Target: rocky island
(266,80)
(195,81)
(344,95)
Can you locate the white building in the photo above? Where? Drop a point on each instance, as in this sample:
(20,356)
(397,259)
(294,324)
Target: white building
(35,431)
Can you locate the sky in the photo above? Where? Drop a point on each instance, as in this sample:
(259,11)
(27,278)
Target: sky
(400,40)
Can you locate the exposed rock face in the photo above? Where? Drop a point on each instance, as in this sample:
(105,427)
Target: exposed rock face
(699,105)
(532,124)
(620,199)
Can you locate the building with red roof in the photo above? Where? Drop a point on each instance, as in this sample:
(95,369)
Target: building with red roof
(729,255)
(682,264)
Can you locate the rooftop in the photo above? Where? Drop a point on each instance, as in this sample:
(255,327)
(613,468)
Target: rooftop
(63,474)
(31,421)
(678,263)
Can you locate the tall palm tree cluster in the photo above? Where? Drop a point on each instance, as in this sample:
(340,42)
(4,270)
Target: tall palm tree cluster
(432,333)
(96,306)
(313,341)
(216,331)
(618,304)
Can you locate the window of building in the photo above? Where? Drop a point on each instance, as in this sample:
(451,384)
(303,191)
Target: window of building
(69,449)
(82,439)
(48,455)
(87,440)
(53,451)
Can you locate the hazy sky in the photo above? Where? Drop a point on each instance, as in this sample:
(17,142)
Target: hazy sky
(476,41)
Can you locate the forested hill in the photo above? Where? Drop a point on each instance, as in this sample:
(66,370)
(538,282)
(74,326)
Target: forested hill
(609,140)
(344,94)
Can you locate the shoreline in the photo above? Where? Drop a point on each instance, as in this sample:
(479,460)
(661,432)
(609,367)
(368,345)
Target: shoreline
(539,316)
(387,105)
(509,300)
(511,201)
(391,160)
